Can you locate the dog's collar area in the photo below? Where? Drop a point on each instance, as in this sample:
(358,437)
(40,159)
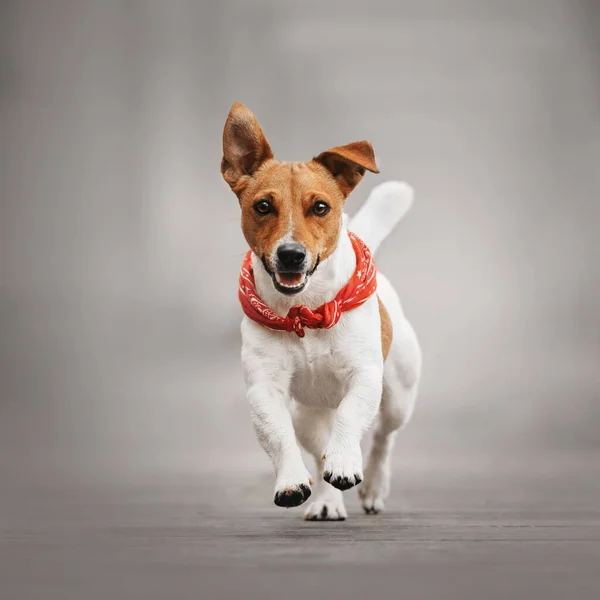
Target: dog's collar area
(357,291)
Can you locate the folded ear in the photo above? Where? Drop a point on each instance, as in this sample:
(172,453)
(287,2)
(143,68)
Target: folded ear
(245,147)
(348,163)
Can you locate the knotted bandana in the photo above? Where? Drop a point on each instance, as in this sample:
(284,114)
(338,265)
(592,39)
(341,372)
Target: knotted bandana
(357,291)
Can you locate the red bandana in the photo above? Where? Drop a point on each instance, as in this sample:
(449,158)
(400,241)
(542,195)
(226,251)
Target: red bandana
(359,289)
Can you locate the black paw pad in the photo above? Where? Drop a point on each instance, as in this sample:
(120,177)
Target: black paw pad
(371,510)
(341,483)
(293,496)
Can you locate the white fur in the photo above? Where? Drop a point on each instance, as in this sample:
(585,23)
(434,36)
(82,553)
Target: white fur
(383,210)
(326,389)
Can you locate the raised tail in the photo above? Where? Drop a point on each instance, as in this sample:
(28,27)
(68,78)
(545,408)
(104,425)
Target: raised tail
(385,206)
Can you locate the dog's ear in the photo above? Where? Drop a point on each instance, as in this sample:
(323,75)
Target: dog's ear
(245,147)
(348,163)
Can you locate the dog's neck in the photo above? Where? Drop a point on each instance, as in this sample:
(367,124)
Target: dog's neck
(323,285)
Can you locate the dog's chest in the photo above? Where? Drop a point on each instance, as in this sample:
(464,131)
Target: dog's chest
(321,370)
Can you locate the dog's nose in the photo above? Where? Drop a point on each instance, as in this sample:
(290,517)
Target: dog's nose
(290,256)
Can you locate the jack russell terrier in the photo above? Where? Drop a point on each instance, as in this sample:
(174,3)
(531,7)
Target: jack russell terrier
(326,348)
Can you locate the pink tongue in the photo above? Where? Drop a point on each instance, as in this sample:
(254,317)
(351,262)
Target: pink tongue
(290,278)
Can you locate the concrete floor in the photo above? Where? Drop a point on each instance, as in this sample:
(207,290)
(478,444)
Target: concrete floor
(128,465)
(445,535)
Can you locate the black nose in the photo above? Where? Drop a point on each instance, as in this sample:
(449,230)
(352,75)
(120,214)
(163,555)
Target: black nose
(290,256)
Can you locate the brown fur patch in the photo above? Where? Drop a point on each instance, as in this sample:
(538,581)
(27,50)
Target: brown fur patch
(348,163)
(245,147)
(292,189)
(386,329)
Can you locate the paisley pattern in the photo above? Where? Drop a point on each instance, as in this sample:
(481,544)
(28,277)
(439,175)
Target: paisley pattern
(359,289)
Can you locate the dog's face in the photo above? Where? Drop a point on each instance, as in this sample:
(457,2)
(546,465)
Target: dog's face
(291,212)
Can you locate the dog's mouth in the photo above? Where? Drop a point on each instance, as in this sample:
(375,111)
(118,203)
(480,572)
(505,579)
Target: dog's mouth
(290,283)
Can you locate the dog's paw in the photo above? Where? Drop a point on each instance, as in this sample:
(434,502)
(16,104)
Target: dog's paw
(326,510)
(342,482)
(374,490)
(343,470)
(292,496)
(372,504)
(291,492)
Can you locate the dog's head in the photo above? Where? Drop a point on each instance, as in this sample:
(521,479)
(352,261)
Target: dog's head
(291,211)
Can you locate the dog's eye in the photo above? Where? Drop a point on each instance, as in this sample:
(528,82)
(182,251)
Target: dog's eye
(263,207)
(320,208)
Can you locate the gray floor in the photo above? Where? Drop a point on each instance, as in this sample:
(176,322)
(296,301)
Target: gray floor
(445,535)
(128,465)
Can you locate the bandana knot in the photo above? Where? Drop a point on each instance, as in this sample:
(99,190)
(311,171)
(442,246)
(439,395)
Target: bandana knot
(357,291)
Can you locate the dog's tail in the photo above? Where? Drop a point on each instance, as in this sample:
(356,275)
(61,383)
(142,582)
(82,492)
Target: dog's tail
(385,206)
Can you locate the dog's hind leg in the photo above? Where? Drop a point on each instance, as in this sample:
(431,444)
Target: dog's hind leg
(313,428)
(397,404)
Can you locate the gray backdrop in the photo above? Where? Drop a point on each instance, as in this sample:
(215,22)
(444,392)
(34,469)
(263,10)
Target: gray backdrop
(120,244)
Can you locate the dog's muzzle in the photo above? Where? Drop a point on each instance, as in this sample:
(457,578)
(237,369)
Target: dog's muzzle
(290,275)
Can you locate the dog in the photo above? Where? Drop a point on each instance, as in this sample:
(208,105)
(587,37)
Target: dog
(326,348)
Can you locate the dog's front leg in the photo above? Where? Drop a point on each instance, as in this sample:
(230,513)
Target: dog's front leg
(273,424)
(342,466)
(268,383)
